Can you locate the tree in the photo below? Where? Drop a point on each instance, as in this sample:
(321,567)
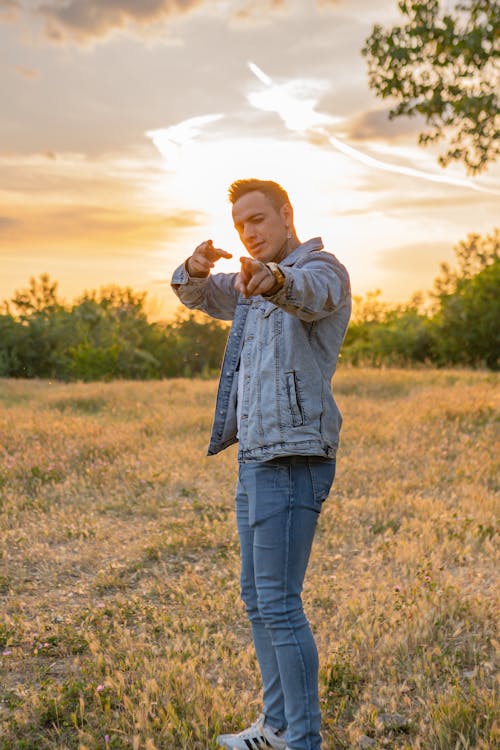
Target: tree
(445,67)
(473,255)
(42,326)
(467,323)
(199,342)
(384,334)
(112,336)
(40,298)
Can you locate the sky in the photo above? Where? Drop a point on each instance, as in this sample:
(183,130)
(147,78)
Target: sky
(124,122)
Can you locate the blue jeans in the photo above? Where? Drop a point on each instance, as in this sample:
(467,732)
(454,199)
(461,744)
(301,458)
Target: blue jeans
(277,507)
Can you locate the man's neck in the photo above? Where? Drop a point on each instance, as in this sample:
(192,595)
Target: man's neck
(287,247)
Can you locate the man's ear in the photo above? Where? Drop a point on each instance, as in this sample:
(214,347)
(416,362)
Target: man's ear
(287,214)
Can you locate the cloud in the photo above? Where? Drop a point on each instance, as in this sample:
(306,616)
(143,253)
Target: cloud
(416,259)
(295,102)
(85,21)
(408,205)
(27,72)
(412,266)
(9,5)
(375,124)
(6,222)
(108,180)
(93,228)
(363,10)
(169,141)
(9,10)
(258,12)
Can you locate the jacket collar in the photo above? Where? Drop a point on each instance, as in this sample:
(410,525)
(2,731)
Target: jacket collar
(316,243)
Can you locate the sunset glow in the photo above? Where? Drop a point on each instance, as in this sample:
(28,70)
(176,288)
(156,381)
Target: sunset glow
(124,130)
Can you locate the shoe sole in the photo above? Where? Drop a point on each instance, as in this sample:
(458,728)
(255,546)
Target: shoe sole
(225,746)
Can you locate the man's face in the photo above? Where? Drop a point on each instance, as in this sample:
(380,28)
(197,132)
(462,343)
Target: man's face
(262,229)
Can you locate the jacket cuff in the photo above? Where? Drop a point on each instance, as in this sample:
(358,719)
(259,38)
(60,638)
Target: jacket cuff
(283,294)
(181,277)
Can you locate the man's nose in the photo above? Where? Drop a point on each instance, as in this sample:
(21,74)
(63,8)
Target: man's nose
(248,232)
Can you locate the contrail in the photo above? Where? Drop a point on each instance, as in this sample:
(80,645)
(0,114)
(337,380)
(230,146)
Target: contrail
(293,103)
(260,74)
(169,140)
(372,162)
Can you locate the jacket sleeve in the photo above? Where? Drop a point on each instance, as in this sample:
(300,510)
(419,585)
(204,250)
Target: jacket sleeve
(314,288)
(214,295)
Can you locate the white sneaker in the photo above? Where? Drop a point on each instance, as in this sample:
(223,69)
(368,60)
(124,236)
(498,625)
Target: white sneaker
(256,737)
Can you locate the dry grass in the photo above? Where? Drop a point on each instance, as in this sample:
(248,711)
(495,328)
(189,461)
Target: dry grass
(121,623)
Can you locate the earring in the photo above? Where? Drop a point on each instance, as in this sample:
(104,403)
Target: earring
(289,233)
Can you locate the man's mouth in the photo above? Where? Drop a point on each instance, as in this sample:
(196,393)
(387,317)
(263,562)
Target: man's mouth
(257,246)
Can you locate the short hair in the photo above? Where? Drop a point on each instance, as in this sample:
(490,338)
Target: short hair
(272,190)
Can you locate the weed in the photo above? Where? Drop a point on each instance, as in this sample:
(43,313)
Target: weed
(122,626)
(462,720)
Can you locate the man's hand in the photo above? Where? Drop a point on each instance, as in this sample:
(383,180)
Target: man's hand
(204,258)
(254,278)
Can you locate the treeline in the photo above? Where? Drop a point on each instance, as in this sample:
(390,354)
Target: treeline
(102,336)
(106,335)
(456,324)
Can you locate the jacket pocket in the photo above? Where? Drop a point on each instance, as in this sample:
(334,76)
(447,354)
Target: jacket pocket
(268,308)
(272,321)
(293,399)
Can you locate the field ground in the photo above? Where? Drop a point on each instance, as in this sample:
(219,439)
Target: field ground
(121,625)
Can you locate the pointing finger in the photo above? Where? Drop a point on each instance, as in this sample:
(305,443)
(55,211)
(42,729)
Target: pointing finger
(246,269)
(214,253)
(239,284)
(259,283)
(207,250)
(249,266)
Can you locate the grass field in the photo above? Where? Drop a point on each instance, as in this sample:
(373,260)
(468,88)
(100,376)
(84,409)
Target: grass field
(121,625)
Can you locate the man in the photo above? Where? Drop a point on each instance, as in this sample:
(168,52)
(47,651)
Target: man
(290,306)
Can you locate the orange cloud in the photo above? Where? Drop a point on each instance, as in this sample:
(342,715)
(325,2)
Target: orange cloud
(9,9)
(52,177)
(93,228)
(27,72)
(85,21)
(411,267)
(257,12)
(399,204)
(417,259)
(375,124)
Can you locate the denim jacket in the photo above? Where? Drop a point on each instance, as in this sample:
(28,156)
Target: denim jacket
(289,343)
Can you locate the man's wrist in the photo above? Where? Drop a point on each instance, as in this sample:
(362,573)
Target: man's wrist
(194,275)
(279,279)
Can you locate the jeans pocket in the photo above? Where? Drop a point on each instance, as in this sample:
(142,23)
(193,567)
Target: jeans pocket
(267,486)
(322,473)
